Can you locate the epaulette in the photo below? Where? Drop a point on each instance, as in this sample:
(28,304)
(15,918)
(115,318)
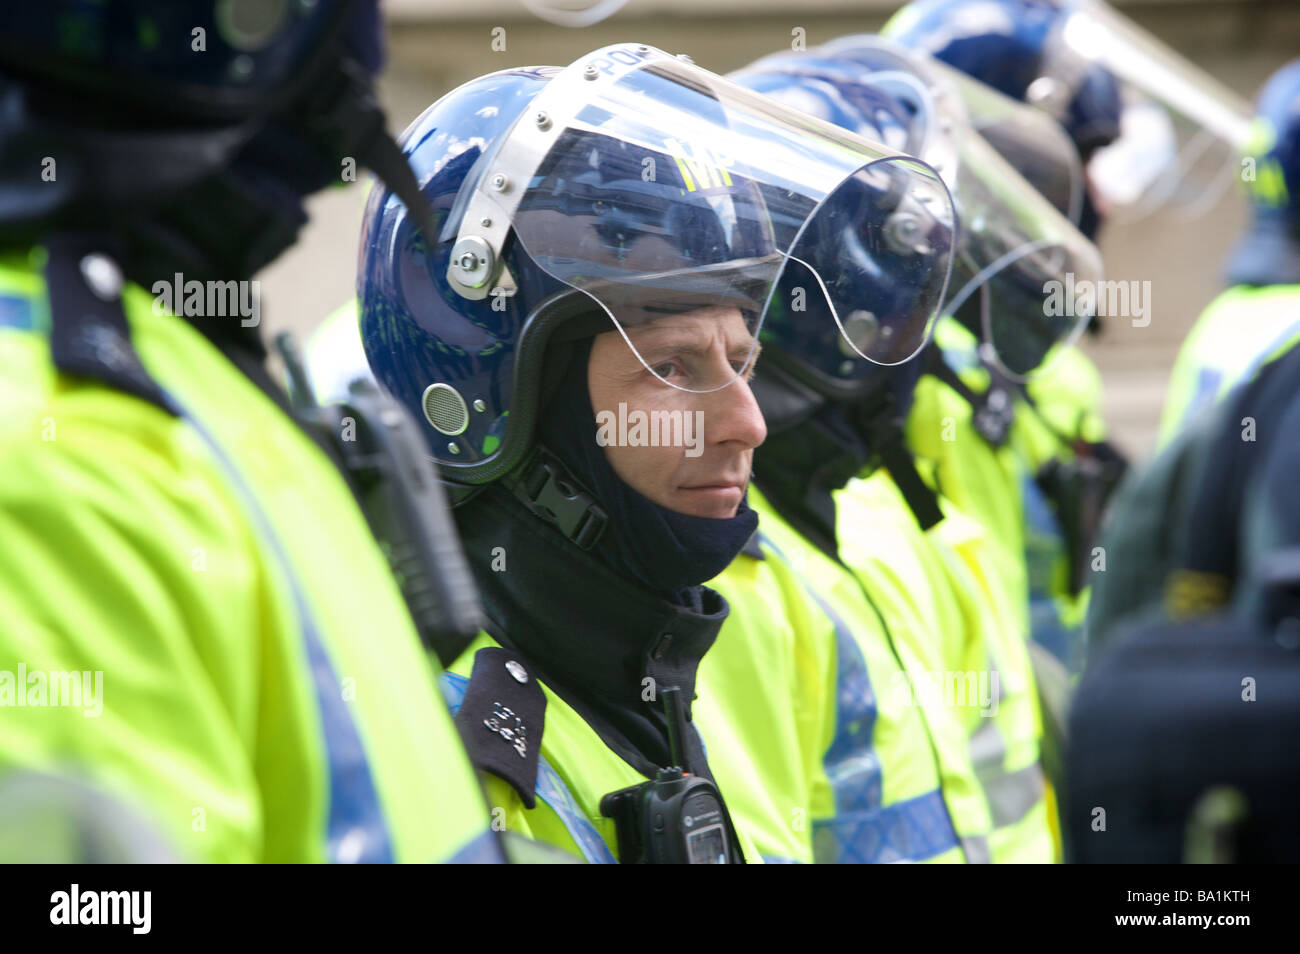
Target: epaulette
(89,334)
(501,719)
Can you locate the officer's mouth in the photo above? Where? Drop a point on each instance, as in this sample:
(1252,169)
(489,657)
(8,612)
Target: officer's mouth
(716,496)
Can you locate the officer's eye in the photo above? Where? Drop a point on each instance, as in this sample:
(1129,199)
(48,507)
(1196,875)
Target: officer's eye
(666,369)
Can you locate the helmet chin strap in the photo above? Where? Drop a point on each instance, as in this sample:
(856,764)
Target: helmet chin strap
(349,119)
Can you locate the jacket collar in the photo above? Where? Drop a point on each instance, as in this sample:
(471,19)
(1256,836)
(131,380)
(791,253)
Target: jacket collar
(594,637)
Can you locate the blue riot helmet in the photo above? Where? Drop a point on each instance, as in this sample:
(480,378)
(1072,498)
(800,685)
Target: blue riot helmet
(1269,252)
(1013,247)
(237,108)
(1003,44)
(600,197)
(798,338)
(209,63)
(1033,143)
(1145,120)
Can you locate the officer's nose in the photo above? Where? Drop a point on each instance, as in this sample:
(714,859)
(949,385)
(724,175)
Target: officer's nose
(731,416)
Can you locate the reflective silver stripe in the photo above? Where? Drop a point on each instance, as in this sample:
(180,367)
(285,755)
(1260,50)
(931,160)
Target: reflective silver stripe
(987,749)
(1012,795)
(976,849)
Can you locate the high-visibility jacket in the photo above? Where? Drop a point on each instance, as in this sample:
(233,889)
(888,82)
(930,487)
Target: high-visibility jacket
(1240,331)
(576,769)
(265,696)
(894,779)
(944,601)
(748,706)
(996,485)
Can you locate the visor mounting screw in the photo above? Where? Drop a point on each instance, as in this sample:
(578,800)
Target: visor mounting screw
(500,182)
(453,447)
(542,120)
(485,222)
(479,405)
(473,262)
(903,234)
(591,72)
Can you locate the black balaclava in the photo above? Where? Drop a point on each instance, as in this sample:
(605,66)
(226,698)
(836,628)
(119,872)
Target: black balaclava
(800,466)
(668,552)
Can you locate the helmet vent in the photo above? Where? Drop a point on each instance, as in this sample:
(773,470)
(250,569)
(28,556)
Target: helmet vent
(445,409)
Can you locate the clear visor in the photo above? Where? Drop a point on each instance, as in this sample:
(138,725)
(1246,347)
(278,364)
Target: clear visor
(1033,143)
(1181,130)
(675,199)
(1016,250)
(1030,141)
(1159,162)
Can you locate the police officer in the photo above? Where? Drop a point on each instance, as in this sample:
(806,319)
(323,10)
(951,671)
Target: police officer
(610,246)
(1259,314)
(1002,330)
(1112,87)
(177,548)
(1175,529)
(1053,421)
(950,614)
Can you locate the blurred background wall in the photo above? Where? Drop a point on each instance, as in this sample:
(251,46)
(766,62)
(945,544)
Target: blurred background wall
(434,45)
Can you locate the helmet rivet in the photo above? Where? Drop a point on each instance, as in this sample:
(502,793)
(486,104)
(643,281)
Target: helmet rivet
(591,72)
(479,405)
(542,120)
(643,48)
(485,222)
(453,448)
(500,182)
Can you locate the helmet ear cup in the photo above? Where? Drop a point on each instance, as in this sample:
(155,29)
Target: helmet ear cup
(445,409)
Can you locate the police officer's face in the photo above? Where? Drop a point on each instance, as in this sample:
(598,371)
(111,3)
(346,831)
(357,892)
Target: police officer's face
(705,441)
